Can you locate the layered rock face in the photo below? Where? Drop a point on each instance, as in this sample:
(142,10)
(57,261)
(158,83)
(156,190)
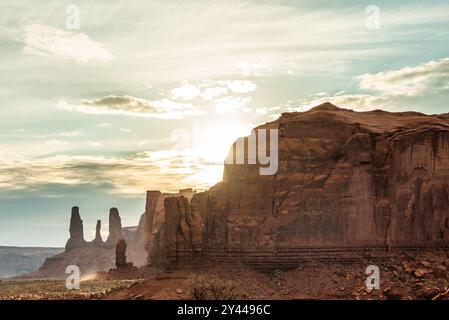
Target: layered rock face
(135,238)
(161,228)
(344,180)
(76,230)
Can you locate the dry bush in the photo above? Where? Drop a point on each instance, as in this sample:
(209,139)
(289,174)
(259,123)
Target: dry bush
(211,288)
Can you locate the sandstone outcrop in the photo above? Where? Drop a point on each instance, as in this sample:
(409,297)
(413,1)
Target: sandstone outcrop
(345,181)
(135,238)
(115,227)
(156,237)
(76,231)
(120,254)
(98,239)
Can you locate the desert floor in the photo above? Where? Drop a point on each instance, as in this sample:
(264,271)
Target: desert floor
(406,275)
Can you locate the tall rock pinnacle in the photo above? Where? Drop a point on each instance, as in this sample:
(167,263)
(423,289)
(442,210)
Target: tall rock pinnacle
(120,254)
(115,227)
(98,239)
(76,231)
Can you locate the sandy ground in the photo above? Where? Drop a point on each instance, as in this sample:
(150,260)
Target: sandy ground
(410,275)
(402,276)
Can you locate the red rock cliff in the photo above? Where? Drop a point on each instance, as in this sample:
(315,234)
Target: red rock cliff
(344,180)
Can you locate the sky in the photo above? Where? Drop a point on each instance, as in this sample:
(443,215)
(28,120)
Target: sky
(101,101)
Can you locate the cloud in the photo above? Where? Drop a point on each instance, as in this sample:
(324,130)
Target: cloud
(56,142)
(104,124)
(256,69)
(231,105)
(225,39)
(71,133)
(272,112)
(45,40)
(168,170)
(132,106)
(213,92)
(216,88)
(210,89)
(241,86)
(392,90)
(185,92)
(357,102)
(428,77)
(217,92)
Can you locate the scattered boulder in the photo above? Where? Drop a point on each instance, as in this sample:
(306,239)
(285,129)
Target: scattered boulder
(392,294)
(179,291)
(440,272)
(421,272)
(426,293)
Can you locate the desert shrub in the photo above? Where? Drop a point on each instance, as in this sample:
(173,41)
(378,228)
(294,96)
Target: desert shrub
(211,288)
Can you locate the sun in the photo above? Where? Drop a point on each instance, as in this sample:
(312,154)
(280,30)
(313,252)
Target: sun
(211,146)
(217,137)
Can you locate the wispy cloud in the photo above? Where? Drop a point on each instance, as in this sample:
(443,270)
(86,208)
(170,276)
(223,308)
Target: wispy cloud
(358,102)
(232,105)
(46,40)
(132,106)
(428,77)
(226,97)
(238,86)
(185,92)
(391,89)
(169,170)
(224,39)
(211,89)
